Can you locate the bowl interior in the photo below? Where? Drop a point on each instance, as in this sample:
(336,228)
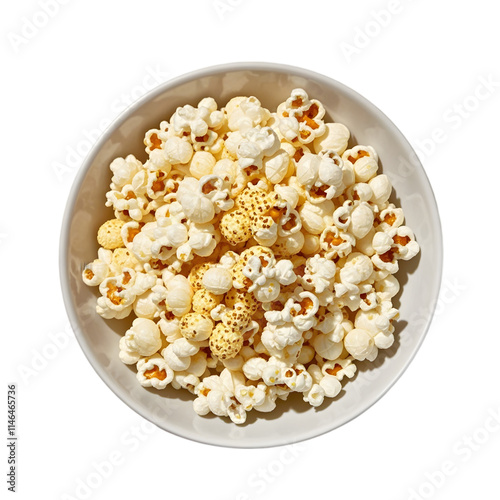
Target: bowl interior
(293,420)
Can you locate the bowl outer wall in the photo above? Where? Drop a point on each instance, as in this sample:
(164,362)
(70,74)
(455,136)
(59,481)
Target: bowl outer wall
(85,211)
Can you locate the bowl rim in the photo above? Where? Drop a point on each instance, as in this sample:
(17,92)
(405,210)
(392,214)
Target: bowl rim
(88,161)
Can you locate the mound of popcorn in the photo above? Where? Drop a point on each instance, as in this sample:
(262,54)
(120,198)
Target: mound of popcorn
(257,252)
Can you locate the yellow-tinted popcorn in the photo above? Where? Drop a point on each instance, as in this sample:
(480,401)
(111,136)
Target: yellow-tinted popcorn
(109,234)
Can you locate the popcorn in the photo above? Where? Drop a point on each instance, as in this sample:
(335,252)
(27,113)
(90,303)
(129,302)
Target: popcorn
(360,345)
(336,137)
(204,301)
(364,160)
(315,216)
(97,271)
(124,171)
(361,220)
(340,368)
(276,166)
(381,189)
(225,342)
(336,243)
(201,164)
(321,176)
(390,217)
(257,144)
(315,395)
(198,123)
(154,372)
(179,293)
(301,118)
(217,280)
(235,227)
(195,204)
(257,253)
(143,338)
(245,113)
(177,150)
(117,295)
(109,234)
(196,326)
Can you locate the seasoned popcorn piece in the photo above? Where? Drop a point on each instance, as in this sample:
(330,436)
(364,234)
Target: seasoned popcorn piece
(336,137)
(196,274)
(235,227)
(196,326)
(123,257)
(248,300)
(225,342)
(237,318)
(204,301)
(154,372)
(109,234)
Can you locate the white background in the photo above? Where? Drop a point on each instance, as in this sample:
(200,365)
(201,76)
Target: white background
(432,67)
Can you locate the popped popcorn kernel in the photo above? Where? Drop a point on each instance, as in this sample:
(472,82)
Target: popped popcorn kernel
(258,252)
(109,234)
(225,342)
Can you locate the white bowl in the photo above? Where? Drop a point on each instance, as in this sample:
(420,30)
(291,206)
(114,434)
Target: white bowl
(293,420)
